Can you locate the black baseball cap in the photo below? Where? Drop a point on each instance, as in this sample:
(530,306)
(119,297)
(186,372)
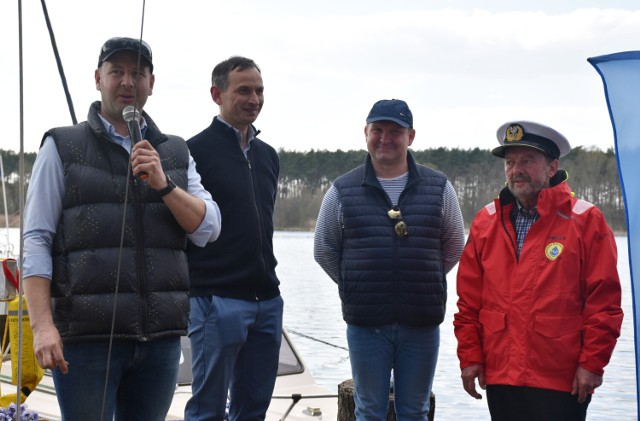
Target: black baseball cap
(114,45)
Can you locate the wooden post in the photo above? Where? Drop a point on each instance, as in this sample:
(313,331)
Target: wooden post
(347,407)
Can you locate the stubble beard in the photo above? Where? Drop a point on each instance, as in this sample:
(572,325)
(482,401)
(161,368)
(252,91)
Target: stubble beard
(527,194)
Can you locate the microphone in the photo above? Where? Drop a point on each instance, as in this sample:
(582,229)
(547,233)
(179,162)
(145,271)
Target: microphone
(131,116)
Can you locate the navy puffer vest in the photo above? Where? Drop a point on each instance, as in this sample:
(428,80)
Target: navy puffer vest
(387,279)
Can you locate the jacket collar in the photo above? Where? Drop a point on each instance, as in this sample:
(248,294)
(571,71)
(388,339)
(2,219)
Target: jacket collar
(221,125)
(547,197)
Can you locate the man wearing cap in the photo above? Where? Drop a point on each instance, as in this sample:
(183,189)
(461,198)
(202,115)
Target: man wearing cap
(387,233)
(539,294)
(108,303)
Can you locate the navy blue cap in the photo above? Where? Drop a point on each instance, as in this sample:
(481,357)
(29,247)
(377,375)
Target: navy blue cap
(394,110)
(533,135)
(114,45)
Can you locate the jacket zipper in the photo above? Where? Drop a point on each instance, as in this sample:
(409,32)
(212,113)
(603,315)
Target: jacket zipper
(396,305)
(257,211)
(514,244)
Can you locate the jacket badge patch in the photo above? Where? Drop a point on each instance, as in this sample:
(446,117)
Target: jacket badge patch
(553,250)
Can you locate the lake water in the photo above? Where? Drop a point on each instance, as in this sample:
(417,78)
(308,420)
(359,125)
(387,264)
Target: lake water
(314,319)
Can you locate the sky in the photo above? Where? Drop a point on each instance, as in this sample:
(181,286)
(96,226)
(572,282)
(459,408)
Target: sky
(464,67)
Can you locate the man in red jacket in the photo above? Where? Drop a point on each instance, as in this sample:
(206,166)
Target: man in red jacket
(539,293)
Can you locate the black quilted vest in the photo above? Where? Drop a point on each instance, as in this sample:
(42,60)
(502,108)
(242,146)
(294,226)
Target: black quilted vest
(152,291)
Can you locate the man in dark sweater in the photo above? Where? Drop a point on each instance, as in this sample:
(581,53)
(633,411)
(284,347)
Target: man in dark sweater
(236,308)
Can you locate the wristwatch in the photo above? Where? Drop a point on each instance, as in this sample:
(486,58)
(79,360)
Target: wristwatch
(170,186)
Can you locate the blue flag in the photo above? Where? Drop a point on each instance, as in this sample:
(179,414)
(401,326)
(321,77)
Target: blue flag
(620,74)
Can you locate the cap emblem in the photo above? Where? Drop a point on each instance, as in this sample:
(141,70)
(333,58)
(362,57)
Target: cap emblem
(514,133)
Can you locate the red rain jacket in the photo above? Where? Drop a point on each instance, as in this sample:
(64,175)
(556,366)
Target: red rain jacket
(532,321)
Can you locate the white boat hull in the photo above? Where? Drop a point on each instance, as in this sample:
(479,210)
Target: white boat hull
(294,385)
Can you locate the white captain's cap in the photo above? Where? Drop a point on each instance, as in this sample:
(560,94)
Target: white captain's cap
(533,135)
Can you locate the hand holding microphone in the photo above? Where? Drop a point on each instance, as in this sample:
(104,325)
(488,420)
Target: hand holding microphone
(131,116)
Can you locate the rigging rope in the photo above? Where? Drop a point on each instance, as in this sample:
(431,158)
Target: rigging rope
(124,219)
(316,339)
(21,171)
(20,207)
(59,63)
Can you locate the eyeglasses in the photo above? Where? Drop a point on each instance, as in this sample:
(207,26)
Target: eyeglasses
(400,226)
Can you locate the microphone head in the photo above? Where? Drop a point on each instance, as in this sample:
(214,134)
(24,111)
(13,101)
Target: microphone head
(130,113)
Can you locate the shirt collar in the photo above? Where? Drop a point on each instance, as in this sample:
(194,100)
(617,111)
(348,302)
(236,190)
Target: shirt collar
(251,133)
(531,212)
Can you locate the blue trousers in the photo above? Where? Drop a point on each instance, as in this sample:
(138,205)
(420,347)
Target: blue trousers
(235,346)
(412,354)
(141,383)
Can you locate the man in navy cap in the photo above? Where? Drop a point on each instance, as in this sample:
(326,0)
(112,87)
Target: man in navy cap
(387,233)
(539,294)
(105,268)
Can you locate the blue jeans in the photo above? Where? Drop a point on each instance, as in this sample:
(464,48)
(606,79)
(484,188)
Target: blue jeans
(141,382)
(412,354)
(235,346)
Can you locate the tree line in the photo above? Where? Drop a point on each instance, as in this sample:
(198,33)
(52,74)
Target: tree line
(476,175)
